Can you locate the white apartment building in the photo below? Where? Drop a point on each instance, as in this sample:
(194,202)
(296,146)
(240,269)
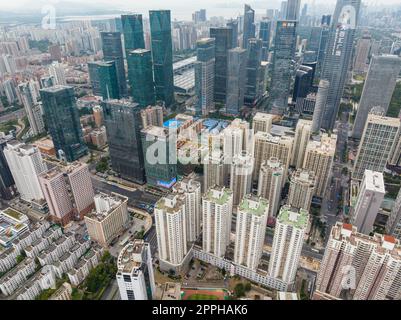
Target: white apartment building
(250,231)
(289,234)
(217,206)
(108,219)
(369,200)
(135,277)
(302,188)
(214,170)
(262,122)
(241,176)
(270,183)
(319,157)
(303,132)
(26,163)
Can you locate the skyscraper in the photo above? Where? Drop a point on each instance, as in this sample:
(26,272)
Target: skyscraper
(362,51)
(289,233)
(223,43)
(283,54)
(237,64)
(262,122)
(62,119)
(250,231)
(319,157)
(32,108)
(159,150)
(369,200)
(270,182)
(103,76)
(56,71)
(25,163)
(135,276)
(253,66)
(267,146)
(264,35)
(338,56)
(133,32)
(204,75)
(217,207)
(6,178)
(162,53)
(377,142)
(393,225)
(241,176)
(214,170)
(191,191)
(140,77)
(171,232)
(303,132)
(233,24)
(293,7)
(249,25)
(302,188)
(359,267)
(303,82)
(123,126)
(113,51)
(378,88)
(321,99)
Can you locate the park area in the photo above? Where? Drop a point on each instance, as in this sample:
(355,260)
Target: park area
(204,294)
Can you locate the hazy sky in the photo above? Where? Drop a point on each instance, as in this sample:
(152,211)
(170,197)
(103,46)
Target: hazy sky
(180,8)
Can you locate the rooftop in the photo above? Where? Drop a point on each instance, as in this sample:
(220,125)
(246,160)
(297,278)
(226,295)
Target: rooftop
(293,217)
(130,257)
(218,195)
(254,205)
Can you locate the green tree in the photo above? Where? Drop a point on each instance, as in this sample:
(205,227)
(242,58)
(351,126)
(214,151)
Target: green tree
(239,290)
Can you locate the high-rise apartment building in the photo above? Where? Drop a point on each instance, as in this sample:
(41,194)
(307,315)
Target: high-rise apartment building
(236,137)
(378,89)
(140,77)
(241,176)
(375,148)
(289,233)
(262,122)
(171,231)
(62,119)
(249,25)
(132,27)
(56,71)
(25,163)
(338,56)
(6,179)
(282,65)
(302,189)
(135,278)
(68,191)
(369,200)
(303,132)
(271,180)
(360,267)
(191,190)
(159,150)
(214,170)
(162,54)
(217,206)
(223,43)
(250,231)
(108,219)
(237,63)
(113,51)
(152,116)
(319,157)
(204,75)
(123,127)
(267,146)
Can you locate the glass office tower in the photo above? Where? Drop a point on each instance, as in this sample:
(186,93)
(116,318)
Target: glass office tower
(133,32)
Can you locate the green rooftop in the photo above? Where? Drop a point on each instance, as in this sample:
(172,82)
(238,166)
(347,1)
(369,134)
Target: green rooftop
(210,195)
(13,213)
(301,217)
(254,205)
